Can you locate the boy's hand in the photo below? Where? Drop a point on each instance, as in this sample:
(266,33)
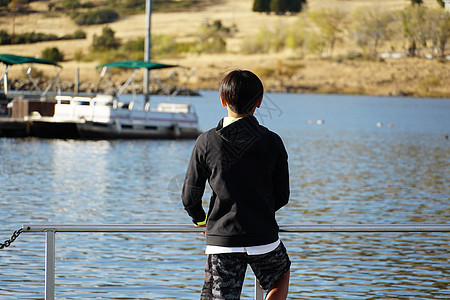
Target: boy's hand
(203,225)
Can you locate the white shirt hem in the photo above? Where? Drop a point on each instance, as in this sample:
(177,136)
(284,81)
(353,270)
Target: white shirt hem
(252,250)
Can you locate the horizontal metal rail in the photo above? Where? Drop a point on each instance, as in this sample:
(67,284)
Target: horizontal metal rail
(283,228)
(51,229)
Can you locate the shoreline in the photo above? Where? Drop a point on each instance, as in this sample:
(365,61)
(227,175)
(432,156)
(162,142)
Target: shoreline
(86,89)
(415,77)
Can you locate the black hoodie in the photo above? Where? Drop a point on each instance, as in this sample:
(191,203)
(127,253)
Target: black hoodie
(246,167)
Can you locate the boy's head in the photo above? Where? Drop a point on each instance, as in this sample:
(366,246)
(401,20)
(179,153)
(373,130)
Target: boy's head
(241,90)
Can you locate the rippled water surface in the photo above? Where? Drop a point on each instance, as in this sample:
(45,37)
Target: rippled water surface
(346,170)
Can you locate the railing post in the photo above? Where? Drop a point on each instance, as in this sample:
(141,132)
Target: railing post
(259,293)
(50,264)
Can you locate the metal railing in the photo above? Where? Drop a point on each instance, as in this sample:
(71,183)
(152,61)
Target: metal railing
(51,229)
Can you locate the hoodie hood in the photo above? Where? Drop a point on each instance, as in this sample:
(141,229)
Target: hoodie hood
(244,135)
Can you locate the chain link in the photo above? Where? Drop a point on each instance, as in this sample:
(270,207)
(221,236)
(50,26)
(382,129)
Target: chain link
(12,239)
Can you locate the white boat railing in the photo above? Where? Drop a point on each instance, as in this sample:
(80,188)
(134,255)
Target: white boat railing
(51,229)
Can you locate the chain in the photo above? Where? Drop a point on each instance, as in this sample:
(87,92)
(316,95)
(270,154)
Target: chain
(12,239)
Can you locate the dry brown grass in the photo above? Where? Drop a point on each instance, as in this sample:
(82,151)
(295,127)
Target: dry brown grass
(281,71)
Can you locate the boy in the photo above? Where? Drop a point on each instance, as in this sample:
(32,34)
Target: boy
(246,166)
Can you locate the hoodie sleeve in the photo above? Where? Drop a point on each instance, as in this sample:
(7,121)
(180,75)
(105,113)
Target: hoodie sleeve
(194,183)
(281,179)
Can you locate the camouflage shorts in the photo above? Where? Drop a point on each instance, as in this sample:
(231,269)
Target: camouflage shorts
(225,273)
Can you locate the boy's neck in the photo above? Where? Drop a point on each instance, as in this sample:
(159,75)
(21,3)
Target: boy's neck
(236,115)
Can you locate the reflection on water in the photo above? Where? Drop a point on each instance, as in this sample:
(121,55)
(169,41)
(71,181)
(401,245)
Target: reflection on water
(347,170)
(395,181)
(372,266)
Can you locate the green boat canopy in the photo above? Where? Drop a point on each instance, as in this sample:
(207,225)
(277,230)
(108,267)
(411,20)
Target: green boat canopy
(10,59)
(136,64)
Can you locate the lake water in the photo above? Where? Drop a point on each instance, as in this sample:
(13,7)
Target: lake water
(347,170)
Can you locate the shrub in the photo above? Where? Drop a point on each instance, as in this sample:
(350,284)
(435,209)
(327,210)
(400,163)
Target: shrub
(77,35)
(106,41)
(163,45)
(278,40)
(34,37)
(52,54)
(5,38)
(258,43)
(296,35)
(111,55)
(78,55)
(315,44)
(88,4)
(211,37)
(71,4)
(135,4)
(266,40)
(430,81)
(100,16)
(216,45)
(135,45)
(185,47)
(177,5)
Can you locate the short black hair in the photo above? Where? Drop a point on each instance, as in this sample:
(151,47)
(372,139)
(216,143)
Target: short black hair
(241,90)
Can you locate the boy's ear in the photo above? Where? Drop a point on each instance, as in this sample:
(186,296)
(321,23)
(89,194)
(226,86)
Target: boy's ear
(224,104)
(258,104)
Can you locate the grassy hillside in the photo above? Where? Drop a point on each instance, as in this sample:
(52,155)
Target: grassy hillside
(285,70)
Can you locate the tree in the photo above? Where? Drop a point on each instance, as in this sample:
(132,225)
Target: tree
(416,2)
(296,34)
(284,6)
(278,6)
(259,42)
(438,22)
(278,40)
(212,37)
(261,6)
(18,5)
(330,23)
(294,6)
(106,41)
(413,21)
(371,29)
